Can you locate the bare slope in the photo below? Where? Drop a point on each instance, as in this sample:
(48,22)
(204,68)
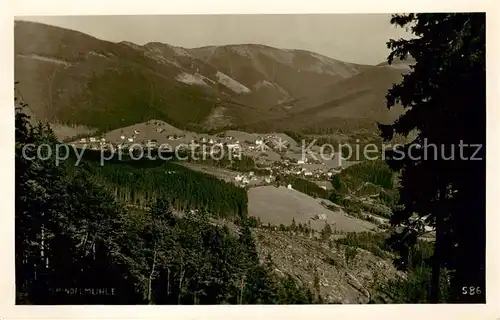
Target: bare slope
(281,205)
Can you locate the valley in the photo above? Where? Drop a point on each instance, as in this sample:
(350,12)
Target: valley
(225,167)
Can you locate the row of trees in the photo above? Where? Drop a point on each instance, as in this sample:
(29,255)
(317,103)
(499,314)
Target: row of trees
(75,244)
(190,261)
(303,185)
(64,227)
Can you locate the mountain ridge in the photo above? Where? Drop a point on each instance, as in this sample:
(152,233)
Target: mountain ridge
(74,79)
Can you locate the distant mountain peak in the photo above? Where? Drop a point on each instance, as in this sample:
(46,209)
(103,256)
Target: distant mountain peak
(72,78)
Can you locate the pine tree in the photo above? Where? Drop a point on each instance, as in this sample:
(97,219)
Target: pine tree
(293,227)
(445,94)
(38,185)
(326,232)
(246,239)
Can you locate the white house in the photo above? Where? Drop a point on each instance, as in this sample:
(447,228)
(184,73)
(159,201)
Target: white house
(103,140)
(122,137)
(308,173)
(245,180)
(238,178)
(321,216)
(130,139)
(83,140)
(289,186)
(233,146)
(136,131)
(259,141)
(92,139)
(300,161)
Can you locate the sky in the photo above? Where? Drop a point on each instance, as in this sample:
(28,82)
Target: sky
(357,38)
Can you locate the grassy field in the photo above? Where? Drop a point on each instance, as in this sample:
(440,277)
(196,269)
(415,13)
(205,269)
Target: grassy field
(281,205)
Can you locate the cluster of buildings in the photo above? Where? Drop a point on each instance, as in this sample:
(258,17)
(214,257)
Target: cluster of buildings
(136,140)
(93,143)
(235,145)
(244,179)
(317,172)
(128,143)
(286,166)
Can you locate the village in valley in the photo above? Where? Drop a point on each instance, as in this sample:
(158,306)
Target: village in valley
(272,155)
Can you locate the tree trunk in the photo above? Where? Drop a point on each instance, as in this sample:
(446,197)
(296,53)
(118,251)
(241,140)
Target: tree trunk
(168,282)
(436,267)
(436,261)
(151,278)
(42,248)
(180,285)
(242,287)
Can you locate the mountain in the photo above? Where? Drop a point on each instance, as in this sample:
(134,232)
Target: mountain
(76,81)
(72,78)
(275,75)
(351,100)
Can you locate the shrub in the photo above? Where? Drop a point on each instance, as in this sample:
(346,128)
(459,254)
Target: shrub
(373,242)
(350,253)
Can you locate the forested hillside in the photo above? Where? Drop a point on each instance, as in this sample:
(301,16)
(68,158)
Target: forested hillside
(144,181)
(74,239)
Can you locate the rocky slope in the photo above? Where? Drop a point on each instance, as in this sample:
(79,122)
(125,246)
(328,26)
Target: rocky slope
(339,275)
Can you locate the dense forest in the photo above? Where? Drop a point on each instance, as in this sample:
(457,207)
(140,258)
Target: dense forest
(142,181)
(367,172)
(76,244)
(374,179)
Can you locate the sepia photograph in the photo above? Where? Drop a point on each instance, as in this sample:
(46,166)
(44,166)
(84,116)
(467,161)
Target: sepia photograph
(258,159)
